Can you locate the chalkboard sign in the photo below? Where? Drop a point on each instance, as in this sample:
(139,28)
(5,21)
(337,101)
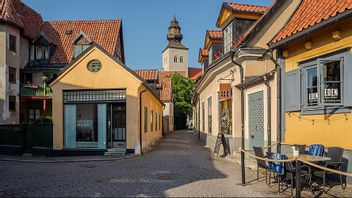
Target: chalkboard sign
(218,143)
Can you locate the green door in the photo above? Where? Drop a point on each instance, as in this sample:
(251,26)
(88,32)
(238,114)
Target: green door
(256,119)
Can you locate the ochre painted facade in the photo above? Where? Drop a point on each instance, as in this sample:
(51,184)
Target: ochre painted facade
(330,130)
(110,76)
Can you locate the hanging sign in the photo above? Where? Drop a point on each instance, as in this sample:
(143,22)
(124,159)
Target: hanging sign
(225,91)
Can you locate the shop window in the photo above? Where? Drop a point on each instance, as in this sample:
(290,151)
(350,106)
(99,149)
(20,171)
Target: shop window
(145,119)
(209,114)
(226,116)
(87,125)
(12,75)
(12,103)
(12,43)
(324,84)
(227,32)
(33,114)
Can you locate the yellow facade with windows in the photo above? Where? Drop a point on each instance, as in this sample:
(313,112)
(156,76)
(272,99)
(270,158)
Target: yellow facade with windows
(112,75)
(332,128)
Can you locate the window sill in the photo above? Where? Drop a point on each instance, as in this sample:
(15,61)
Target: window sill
(324,111)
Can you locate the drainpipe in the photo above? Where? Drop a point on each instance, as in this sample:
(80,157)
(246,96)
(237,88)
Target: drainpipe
(140,118)
(243,181)
(266,82)
(278,93)
(199,116)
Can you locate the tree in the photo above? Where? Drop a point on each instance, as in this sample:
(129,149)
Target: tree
(182,89)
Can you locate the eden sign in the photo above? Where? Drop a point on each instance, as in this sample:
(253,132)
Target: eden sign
(330,95)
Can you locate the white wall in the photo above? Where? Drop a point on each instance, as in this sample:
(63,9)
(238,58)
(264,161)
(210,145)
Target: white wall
(168,60)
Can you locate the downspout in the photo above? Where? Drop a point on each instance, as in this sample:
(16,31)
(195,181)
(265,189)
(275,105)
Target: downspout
(266,82)
(278,103)
(140,118)
(199,116)
(243,181)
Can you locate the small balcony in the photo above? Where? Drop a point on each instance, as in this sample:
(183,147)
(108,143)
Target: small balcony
(35,90)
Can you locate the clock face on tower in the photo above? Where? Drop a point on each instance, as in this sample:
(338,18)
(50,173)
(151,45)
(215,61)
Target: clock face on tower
(94,65)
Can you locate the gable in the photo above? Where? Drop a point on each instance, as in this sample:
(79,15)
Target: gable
(112,74)
(225,17)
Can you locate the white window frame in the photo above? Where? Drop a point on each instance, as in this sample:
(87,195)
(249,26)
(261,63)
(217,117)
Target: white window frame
(228,37)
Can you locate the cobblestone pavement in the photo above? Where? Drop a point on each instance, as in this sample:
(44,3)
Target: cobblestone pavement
(178,166)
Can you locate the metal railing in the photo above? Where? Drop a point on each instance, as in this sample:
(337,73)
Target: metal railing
(35,91)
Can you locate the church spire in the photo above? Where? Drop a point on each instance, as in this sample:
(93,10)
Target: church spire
(174,35)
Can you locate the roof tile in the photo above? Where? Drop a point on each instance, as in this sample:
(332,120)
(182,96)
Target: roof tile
(310,13)
(248,8)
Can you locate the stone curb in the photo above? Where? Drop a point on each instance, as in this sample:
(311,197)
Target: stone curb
(70,160)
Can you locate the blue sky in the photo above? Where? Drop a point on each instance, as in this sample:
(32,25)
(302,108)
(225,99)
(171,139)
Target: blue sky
(145,22)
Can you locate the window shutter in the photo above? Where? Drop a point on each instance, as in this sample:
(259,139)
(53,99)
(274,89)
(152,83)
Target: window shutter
(347,80)
(293,91)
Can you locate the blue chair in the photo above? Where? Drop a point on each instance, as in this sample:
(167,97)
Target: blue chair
(316,150)
(277,168)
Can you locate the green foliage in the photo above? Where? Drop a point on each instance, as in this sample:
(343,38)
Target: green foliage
(43,120)
(182,89)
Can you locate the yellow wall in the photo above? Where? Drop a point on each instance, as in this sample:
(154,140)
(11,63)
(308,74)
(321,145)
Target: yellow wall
(302,130)
(110,76)
(151,135)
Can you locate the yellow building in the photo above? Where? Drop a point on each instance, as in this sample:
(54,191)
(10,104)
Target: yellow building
(315,55)
(100,105)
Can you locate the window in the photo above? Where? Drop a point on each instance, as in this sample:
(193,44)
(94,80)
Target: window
(322,84)
(26,78)
(145,119)
(151,121)
(12,43)
(41,52)
(210,54)
(209,114)
(160,122)
(12,103)
(181,59)
(79,49)
(12,75)
(227,34)
(175,59)
(312,87)
(156,121)
(203,117)
(33,115)
(330,82)
(86,125)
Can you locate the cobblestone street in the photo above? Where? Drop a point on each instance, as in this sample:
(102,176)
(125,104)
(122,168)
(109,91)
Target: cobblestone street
(178,166)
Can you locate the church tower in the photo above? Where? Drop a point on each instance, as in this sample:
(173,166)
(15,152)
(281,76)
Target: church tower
(175,55)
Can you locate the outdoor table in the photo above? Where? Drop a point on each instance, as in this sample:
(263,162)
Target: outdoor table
(308,158)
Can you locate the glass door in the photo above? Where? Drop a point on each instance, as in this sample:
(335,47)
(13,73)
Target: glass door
(117,125)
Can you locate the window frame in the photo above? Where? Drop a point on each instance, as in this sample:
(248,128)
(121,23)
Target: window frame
(210,114)
(145,119)
(12,108)
(12,43)
(227,38)
(323,107)
(12,75)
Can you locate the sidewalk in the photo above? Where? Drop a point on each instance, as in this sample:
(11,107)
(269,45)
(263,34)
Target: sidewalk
(28,158)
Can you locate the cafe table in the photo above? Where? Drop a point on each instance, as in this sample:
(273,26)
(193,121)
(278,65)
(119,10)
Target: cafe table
(304,157)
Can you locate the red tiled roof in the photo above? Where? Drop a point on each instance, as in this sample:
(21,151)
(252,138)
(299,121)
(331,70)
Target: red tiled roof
(19,14)
(166,91)
(204,52)
(148,75)
(247,8)
(168,74)
(215,34)
(194,73)
(103,32)
(310,13)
